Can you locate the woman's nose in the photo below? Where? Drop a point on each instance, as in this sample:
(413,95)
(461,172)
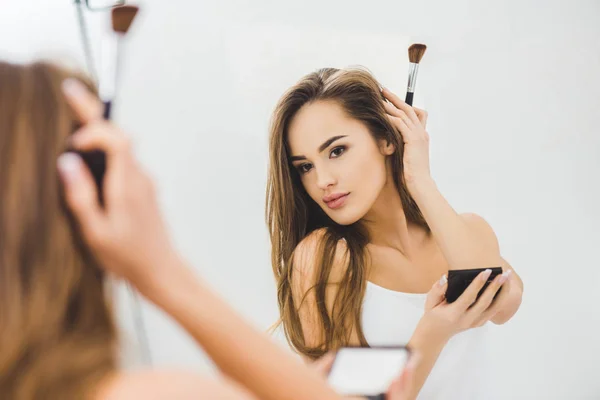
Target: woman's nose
(325,179)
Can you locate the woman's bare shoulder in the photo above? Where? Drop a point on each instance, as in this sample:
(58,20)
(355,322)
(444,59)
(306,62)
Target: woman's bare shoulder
(168,384)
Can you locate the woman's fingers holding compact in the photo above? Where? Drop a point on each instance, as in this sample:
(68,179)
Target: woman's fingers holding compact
(498,302)
(323,365)
(401,105)
(469,296)
(482,305)
(437,293)
(401,387)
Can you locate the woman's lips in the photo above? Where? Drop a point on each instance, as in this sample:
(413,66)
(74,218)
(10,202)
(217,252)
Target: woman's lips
(338,202)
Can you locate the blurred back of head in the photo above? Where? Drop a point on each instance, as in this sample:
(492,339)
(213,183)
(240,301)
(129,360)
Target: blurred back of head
(57,334)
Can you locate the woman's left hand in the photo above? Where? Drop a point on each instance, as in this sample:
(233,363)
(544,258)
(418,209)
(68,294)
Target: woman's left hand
(506,304)
(411,123)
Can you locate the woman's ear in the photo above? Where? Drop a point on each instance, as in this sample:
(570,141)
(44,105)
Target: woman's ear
(387,148)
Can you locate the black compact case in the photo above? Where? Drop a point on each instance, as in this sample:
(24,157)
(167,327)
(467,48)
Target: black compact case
(459,280)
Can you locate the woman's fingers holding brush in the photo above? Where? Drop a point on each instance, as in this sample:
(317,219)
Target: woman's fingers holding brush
(394,112)
(416,139)
(81,194)
(401,105)
(102,135)
(96,133)
(411,131)
(85,104)
(422,115)
(93,135)
(401,125)
(413,118)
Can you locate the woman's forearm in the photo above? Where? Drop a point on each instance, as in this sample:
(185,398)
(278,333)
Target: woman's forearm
(240,351)
(462,246)
(428,348)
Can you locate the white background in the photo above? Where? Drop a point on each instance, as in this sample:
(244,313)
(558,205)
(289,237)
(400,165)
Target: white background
(513,91)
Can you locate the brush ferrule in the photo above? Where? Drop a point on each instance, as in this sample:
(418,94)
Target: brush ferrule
(109,68)
(413,68)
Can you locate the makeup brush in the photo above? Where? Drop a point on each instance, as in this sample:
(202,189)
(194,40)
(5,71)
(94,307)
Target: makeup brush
(122,17)
(415,54)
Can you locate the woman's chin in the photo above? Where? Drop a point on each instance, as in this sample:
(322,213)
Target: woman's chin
(345,217)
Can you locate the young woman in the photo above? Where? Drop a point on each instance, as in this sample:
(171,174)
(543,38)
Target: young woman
(360,232)
(57,333)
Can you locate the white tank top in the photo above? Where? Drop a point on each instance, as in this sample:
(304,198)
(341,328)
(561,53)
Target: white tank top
(461,372)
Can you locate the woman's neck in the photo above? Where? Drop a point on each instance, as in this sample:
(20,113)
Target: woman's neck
(387,223)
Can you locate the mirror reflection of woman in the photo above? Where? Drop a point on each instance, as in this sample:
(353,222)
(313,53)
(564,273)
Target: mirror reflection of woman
(360,234)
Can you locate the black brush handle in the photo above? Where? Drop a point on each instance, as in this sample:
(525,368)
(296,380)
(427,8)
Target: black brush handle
(96,162)
(409,98)
(107,109)
(96,159)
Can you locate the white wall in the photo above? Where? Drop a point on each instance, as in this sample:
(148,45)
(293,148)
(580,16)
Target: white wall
(512,88)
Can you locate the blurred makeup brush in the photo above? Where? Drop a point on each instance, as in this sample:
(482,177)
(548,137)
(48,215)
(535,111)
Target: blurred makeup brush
(122,17)
(415,54)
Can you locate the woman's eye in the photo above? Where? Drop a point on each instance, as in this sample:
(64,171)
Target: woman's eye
(304,168)
(338,151)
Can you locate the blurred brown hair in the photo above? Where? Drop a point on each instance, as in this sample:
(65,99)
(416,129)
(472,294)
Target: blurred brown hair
(57,334)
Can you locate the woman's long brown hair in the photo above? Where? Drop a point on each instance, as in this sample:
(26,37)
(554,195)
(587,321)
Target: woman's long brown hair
(292,215)
(57,334)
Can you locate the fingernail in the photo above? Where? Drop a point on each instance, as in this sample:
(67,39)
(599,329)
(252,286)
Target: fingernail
(486,274)
(72,87)
(504,277)
(69,165)
(443,280)
(414,360)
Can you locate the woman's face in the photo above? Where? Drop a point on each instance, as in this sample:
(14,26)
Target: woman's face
(342,167)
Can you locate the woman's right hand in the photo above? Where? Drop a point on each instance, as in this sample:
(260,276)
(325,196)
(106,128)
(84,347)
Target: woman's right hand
(128,235)
(445,320)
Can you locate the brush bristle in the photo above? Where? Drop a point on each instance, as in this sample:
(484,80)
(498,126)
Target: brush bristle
(122,17)
(416,52)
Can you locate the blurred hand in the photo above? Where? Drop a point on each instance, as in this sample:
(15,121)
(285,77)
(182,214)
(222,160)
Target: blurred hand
(127,235)
(399,389)
(323,365)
